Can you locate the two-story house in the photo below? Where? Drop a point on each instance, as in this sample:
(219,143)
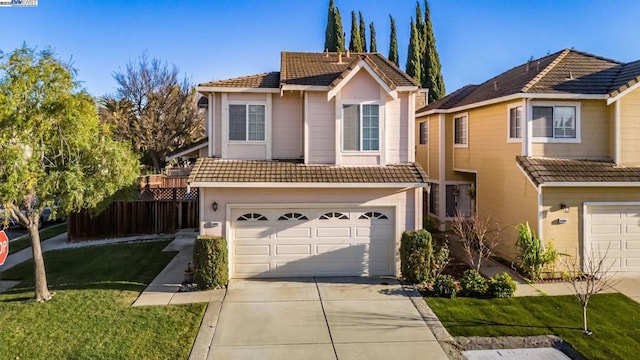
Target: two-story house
(310,170)
(554,142)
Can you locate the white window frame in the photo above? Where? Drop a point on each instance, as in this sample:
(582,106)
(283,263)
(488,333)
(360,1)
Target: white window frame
(466,129)
(246,104)
(423,138)
(360,103)
(522,123)
(577,105)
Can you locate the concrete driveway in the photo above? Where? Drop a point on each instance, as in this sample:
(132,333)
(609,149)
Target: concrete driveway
(323,318)
(629,285)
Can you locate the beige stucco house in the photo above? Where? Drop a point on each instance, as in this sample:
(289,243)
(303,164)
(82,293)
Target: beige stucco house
(554,142)
(310,170)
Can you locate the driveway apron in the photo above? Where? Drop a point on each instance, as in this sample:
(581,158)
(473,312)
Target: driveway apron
(321,318)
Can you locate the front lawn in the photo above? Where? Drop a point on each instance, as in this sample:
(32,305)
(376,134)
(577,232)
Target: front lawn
(45,234)
(613,318)
(91,316)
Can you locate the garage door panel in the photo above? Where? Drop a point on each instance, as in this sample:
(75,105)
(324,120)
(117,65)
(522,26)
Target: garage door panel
(329,242)
(632,229)
(604,245)
(614,232)
(252,250)
(606,229)
(291,249)
(632,244)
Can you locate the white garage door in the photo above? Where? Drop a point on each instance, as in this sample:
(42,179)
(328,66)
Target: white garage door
(616,228)
(312,242)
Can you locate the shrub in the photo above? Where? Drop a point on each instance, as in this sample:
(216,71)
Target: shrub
(431,224)
(444,286)
(502,286)
(211,266)
(533,257)
(421,257)
(473,284)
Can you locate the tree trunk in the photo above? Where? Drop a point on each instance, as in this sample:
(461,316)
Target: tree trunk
(156,161)
(42,291)
(584,318)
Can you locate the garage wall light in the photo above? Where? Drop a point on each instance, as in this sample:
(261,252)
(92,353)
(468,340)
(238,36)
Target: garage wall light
(214,206)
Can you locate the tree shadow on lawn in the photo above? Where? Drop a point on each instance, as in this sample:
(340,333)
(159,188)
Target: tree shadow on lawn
(484,323)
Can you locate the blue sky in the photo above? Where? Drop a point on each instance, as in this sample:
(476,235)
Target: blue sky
(218,39)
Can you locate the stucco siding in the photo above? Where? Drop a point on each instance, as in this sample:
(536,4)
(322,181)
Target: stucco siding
(594,123)
(321,127)
(568,238)
(630,128)
(287,125)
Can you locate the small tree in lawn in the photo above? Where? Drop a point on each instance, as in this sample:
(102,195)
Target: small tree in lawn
(53,149)
(592,278)
(479,237)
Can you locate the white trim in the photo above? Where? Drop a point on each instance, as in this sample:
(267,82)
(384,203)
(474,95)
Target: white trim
(338,128)
(411,127)
(212,124)
(407,88)
(527,145)
(382,125)
(361,65)
(206,184)
(267,126)
(459,116)
(186,151)
(616,158)
(522,123)
(623,93)
(286,87)
(267,109)
(224,120)
(540,214)
(591,184)
(513,97)
(201,209)
(222,89)
(442,205)
(418,207)
(340,146)
(305,119)
(554,104)
(465,171)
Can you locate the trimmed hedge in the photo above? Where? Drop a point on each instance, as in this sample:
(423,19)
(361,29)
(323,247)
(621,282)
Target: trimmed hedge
(421,256)
(211,264)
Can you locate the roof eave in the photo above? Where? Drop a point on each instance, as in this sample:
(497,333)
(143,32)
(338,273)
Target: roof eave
(212,89)
(207,184)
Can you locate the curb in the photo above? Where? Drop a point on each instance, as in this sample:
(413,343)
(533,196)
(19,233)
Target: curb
(204,339)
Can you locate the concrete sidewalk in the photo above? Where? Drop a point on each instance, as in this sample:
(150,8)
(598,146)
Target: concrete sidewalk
(163,290)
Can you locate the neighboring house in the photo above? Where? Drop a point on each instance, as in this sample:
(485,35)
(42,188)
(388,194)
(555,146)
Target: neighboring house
(553,142)
(310,170)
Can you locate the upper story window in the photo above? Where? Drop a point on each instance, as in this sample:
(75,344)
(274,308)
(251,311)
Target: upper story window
(246,122)
(560,123)
(424,132)
(515,123)
(461,131)
(361,127)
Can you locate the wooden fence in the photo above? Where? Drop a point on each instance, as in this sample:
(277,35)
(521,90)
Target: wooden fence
(163,181)
(157,211)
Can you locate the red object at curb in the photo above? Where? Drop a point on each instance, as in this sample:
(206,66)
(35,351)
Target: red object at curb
(4,247)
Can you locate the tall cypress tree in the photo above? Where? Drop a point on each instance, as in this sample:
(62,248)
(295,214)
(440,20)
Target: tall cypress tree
(355,44)
(413,54)
(393,43)
(373,47)
(431,61)
(330,30)
(339,32)
(363,36)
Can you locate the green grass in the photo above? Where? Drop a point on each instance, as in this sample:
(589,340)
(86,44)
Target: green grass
(45,234)
(91,316)
(613,318)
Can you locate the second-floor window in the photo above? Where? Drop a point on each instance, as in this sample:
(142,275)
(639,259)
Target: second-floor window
(246,122)
(424,133)
(557,122)
(515,122)
(361,127)
(461,130)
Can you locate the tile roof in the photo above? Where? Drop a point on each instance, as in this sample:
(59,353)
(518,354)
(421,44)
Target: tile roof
(568,72)
(318,69)
(254,171)
(264,80)
(546,170)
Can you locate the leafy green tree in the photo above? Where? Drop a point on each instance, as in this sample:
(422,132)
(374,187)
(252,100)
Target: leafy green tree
(432,69)
(413,54)
(363,36)
(339,31)
(393,43)
(355,43)
(373,47)
(153,109)
(330,31)
(54,152)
